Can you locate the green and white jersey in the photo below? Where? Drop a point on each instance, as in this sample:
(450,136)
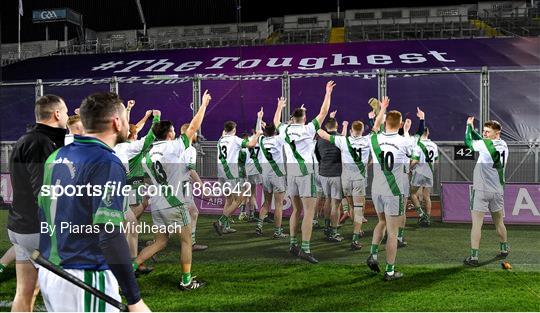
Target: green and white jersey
(390,159)
(188,162)
(253,166)
(426,153)
(299,147)
(229,147)
(132,152)
(271,155)
(163,164)
(492,159)
(354,155)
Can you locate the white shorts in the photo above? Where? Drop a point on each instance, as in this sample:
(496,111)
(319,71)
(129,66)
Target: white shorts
(273,184)
(419,180)
(331,187)
(302,186)
(353,188)
(60,295)
(177,216)
(485,201)
(318,184)
(254,179)
(389,205)
(24,244)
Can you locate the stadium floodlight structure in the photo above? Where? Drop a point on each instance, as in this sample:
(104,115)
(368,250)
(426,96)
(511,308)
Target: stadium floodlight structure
(141,15)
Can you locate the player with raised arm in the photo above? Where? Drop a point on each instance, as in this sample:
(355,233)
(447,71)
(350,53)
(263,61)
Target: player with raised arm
(191,176)
(425,155)
(390,154)
(487,193)
(229,172)
(131,153)
(273,175)
(300,180)
(163,164)
(355,153)
(100,255)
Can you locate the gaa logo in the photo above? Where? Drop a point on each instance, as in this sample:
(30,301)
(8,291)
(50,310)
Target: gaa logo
(47,15)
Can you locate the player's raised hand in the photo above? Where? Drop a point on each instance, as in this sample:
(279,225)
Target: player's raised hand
(282,102)
(330,86)
(206,98)
(333,114)
(156,112)
(77,111)
(421,115)
(371,115)
(385,102)
(148,112)
(345,123)
(302,107)
(260,113)
(130,104)
(263,124)
(470,120)
(407,125)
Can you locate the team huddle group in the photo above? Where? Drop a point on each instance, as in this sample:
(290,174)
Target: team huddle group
(323,172)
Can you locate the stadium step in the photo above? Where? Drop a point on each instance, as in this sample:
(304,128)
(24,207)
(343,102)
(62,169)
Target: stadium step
(488,30)
(337,35)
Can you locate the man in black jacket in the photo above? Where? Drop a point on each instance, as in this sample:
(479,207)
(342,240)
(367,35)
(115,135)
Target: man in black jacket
(26,167)
(330,169)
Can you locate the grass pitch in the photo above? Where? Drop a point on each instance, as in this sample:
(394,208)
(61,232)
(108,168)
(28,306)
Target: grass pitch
(248,273)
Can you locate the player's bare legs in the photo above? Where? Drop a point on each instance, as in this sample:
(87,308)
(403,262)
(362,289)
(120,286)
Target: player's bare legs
(498,220)
(160,242)
(378,233)
(426,192)
(278,213)
(476,234)
(334,218)
(295,216)
(263,212)
(194,214)
(25,294)
(357,205)
(393,223)
(131,235)
(7,258)
(415,194)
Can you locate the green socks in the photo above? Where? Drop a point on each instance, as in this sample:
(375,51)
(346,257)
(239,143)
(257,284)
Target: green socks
(504,246)
(401,233)
(355,237)
(305,246)
(186,278)
(390,269)
(374,250)
(293,241)
(278,230)
(474,254)
(420,212)
(2,267)
(327,223)
(223,219)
